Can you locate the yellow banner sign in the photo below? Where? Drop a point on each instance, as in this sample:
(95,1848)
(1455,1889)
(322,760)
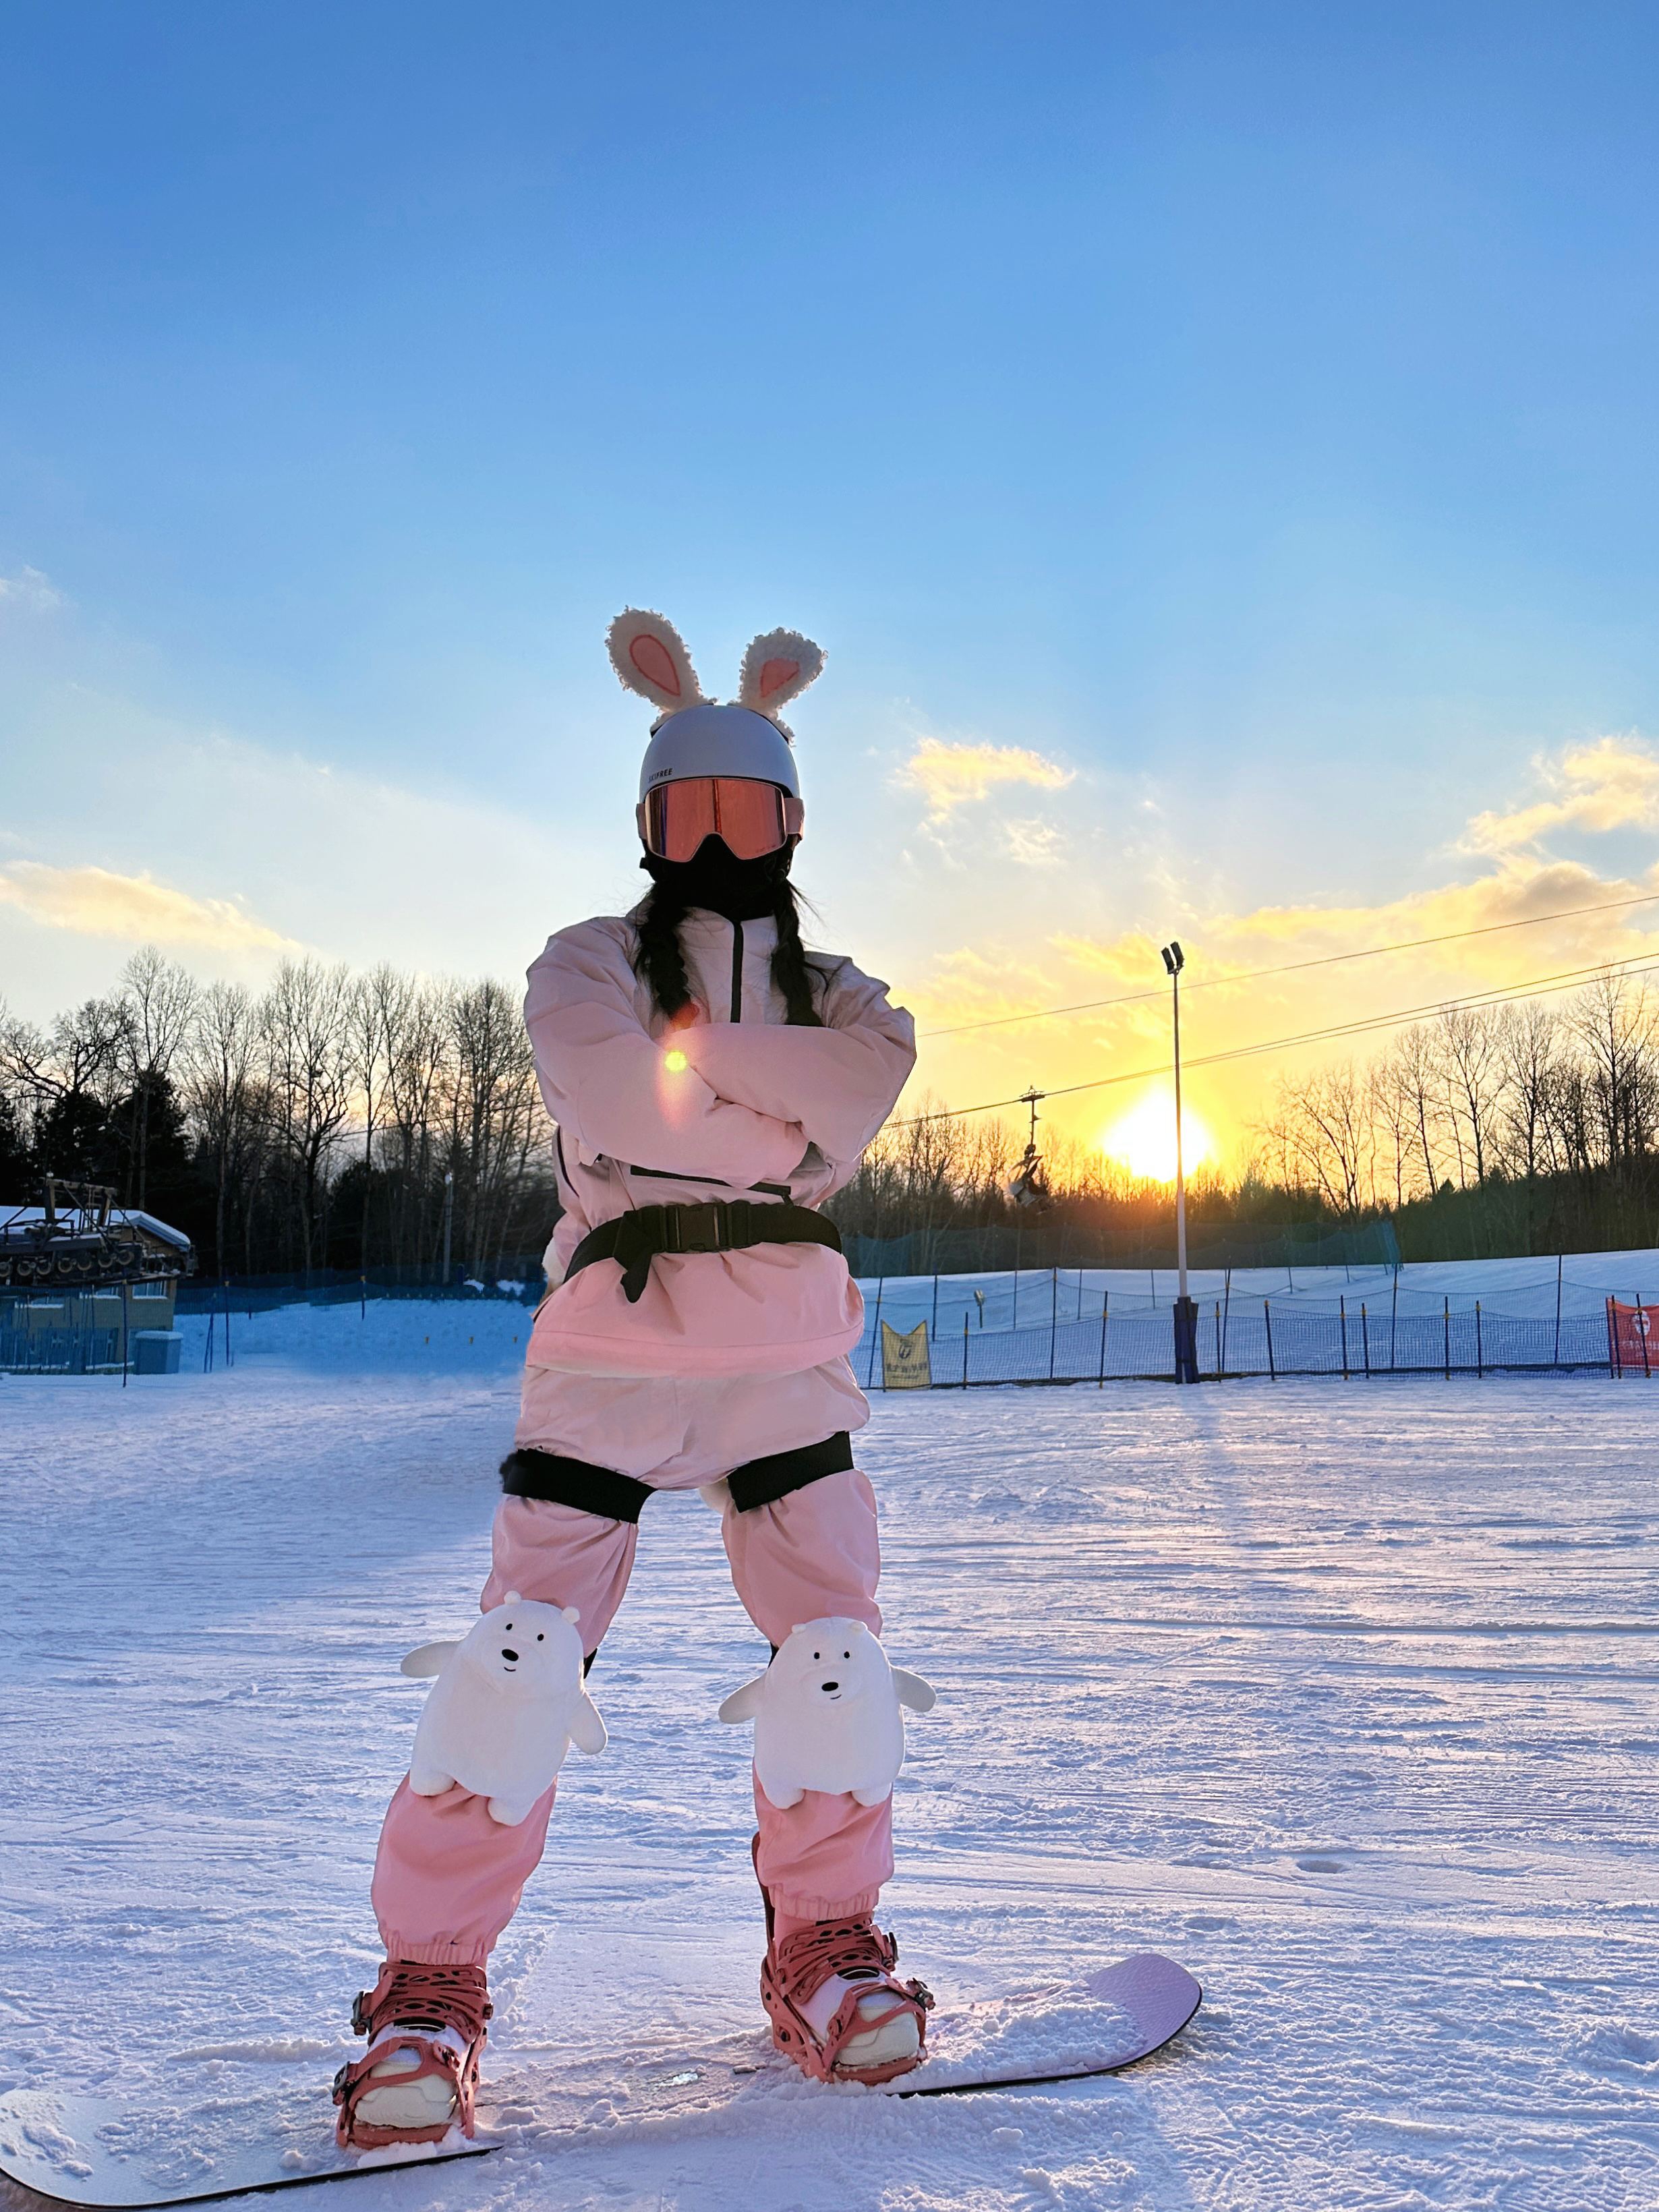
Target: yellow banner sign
(904,1363)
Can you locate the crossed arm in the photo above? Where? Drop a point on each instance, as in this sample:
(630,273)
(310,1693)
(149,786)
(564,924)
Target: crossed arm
(739,1103)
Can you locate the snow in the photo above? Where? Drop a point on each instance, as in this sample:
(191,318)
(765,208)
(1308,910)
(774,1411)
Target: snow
(1343,1696)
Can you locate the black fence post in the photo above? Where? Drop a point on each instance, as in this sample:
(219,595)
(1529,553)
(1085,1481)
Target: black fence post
(1479,1354)
(1268,1315)
(1105,1307)
(1614,1369)
(1447,1344)
(1186,1340)
(1054,1317)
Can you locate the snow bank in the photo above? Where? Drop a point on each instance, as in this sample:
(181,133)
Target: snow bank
(1520,1288)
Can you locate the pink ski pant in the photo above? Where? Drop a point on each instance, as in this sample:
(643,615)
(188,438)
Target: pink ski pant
(448,1878)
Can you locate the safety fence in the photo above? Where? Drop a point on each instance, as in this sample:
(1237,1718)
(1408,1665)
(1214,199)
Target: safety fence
(1261,1338)
(59,1350)
(518,1277)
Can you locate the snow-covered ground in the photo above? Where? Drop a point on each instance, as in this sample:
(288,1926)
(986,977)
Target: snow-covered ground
(1347,1699)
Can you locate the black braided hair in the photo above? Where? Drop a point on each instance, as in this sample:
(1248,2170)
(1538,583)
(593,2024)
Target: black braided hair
(791,972)
(658,956)
(676,888)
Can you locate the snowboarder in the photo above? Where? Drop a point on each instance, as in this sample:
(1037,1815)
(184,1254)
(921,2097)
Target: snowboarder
(711,1084)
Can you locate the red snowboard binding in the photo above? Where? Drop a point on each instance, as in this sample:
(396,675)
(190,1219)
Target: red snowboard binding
(419,2076)
(835,2006)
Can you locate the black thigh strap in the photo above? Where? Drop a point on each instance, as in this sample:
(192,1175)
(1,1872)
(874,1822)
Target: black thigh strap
(763,1481)
(597,1490)
(613,1496)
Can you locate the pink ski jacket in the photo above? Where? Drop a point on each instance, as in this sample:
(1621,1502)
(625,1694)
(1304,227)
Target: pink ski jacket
(737,1105)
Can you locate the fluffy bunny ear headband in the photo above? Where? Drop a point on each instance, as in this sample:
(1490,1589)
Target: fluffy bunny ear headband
(649,655)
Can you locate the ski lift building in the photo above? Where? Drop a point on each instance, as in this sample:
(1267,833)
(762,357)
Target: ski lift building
(79,1281)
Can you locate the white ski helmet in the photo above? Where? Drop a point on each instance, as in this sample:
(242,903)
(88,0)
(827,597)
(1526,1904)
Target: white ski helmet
(696,737)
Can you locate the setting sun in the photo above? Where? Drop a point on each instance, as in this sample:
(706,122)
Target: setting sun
(1145,1139)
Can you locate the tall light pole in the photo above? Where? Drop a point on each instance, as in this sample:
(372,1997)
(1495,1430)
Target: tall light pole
(1185,1313)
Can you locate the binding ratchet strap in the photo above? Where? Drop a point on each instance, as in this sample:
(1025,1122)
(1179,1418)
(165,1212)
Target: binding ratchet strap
(634,1240)
(405,2016)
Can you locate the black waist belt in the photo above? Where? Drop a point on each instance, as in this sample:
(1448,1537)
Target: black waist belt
(727,1225)
(614,1496)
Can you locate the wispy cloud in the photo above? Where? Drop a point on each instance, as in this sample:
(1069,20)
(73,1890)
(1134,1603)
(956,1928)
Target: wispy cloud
(1611,785)
(29,590)
(1128,959)
(1477,918)
(952,775)
(972,985)
(96,902)
(1034,844)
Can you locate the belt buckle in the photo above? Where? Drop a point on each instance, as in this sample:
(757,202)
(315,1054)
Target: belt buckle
(699,1229)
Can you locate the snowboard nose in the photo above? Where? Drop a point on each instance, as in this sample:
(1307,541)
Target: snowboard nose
(830,1685)
(509,1654)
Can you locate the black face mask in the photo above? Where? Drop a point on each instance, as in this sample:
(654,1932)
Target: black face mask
(742,890)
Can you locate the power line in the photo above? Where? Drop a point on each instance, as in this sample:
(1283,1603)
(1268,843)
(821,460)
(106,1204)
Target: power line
(1295,967)
(1536,987)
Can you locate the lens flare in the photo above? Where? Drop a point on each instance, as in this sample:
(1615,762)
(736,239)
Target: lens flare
(675,1063)
(1145,1139)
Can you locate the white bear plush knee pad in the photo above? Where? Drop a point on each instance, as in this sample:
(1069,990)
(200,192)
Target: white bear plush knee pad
(827,1715)
(508,1703)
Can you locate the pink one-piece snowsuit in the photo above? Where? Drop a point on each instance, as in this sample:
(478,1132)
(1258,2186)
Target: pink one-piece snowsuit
(726,1358)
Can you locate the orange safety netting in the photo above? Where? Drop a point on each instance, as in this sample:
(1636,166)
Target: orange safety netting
(1632,1338)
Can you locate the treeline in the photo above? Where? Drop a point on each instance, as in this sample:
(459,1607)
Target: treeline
(1482,1133)
(334,1120)
(931,1173)
(342,1120)
(1489,1131)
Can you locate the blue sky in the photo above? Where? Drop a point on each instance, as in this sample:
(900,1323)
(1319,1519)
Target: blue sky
(1247,412)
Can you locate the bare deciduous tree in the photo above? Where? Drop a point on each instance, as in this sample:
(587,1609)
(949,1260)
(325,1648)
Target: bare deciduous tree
(307,1065)
(158,999)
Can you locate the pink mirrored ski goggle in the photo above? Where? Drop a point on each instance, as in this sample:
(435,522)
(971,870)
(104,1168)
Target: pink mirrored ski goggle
(754,818)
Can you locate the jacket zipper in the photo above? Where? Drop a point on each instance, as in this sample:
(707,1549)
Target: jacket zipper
(737,971)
